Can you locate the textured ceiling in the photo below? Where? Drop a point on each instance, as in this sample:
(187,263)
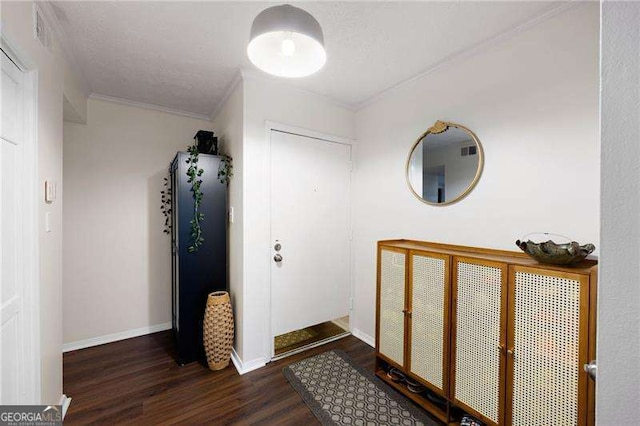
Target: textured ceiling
(183,55)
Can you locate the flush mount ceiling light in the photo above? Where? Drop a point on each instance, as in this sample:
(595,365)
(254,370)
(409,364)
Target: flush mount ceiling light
(286,41)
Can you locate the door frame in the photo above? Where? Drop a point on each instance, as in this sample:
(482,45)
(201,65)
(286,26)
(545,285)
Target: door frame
(31,191)
(304,132)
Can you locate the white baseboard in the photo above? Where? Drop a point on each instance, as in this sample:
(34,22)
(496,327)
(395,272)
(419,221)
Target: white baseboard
(245,367)
(65,401)
(364,337)
(114,337)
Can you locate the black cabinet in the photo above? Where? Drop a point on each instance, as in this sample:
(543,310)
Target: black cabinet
(195,275)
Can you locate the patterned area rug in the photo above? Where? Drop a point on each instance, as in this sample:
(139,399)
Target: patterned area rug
(294,337)
(339,392)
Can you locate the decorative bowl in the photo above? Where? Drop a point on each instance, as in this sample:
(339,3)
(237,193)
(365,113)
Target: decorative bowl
(556,254)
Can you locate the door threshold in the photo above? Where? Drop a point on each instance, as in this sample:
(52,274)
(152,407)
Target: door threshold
(311,346)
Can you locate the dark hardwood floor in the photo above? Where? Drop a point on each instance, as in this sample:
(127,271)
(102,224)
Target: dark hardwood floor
(137,381)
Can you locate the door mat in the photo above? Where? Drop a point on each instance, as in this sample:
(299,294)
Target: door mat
(293,338)
(339,392)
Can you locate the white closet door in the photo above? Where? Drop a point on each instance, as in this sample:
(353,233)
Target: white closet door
(310,219)
(12,327)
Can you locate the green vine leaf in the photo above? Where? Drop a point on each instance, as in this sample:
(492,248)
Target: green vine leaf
(192,172)
(225,169)
(165,205)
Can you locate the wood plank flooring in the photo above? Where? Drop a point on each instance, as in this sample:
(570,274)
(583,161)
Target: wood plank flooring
(137,381)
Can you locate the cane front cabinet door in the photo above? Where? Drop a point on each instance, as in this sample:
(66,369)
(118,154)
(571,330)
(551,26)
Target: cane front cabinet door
(479,336)
(547,347)
(428,314)
(392,270)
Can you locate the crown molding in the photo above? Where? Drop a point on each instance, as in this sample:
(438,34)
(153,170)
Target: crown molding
(237,79)
(63,42)
(472,50)
(280,81)
(145,105)
(245,74)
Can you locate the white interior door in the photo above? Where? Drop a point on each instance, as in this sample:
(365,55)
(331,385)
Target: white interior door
(310,218)
(13,172)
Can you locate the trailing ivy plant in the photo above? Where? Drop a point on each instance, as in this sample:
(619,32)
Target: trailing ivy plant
(165,206)
(194,173)
(225,169)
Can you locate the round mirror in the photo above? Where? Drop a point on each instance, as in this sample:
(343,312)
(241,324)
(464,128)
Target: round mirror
(444,164)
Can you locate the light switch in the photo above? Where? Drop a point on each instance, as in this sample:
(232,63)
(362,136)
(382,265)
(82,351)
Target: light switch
(230,214)
(49,191)
(47,222)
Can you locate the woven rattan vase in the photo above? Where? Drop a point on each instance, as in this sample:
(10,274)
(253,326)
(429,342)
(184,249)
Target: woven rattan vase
(218,330)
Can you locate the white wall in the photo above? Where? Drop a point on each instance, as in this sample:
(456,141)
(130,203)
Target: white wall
(51,70)
(532,100)
(266,100)
(117,264)
(228,126)
(618,384)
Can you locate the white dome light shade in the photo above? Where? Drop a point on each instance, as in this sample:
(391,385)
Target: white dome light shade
(287,42)
(286,54)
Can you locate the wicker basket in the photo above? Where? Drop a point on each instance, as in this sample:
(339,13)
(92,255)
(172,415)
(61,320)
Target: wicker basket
(218,330)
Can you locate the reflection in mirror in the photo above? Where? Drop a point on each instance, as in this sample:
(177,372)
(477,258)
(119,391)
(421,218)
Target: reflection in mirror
(445,164)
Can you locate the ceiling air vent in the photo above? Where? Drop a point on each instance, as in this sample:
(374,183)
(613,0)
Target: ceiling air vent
(41,30)
(468,150)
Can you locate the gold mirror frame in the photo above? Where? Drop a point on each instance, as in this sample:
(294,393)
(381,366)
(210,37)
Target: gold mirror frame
(439,127)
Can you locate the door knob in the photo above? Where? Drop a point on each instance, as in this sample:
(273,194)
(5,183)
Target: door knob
(277,258)
(591,369)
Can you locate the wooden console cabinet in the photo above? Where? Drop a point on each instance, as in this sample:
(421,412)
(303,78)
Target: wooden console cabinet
(487,332)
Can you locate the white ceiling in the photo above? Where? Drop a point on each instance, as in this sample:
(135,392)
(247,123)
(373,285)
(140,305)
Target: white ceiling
(183,55)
